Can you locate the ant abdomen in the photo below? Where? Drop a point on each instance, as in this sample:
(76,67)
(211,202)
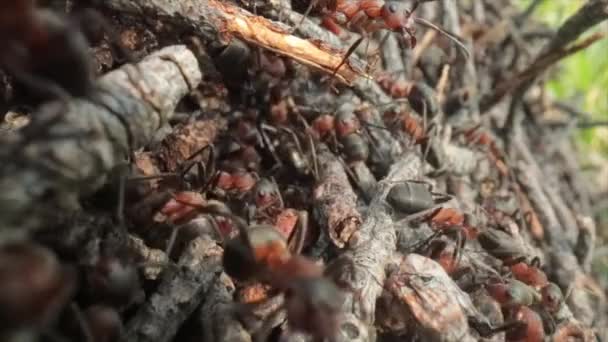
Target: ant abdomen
(238,260)
(267,249)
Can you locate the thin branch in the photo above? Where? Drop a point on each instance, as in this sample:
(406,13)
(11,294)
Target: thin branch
(222,20)
(540,65)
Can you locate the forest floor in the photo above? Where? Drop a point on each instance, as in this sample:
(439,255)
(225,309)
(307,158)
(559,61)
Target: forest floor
(227,174)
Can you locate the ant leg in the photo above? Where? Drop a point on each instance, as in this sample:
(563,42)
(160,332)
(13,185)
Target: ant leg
(425,243)
(211,161)
(172,239)
(294,137)
(349,52)
(266,141)
(311,145)
(276,186)
(513,325)
(311,5)
(460,243)
(120,207)
(535,262)
(315,160)
(217,229)
(428,142)
(454,38)
(82,322)
(297,242)
(275,318)
(218,208)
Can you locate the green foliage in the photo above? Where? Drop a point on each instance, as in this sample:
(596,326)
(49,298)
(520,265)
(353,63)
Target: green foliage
(581,79)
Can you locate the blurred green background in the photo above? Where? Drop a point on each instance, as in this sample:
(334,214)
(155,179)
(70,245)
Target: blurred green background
(581,79)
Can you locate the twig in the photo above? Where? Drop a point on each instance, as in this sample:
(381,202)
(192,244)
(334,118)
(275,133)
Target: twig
(361,268)
(217,315)
(96,136)
(180,292)
(534,70)
(335,201)
(591,14)
(221,20)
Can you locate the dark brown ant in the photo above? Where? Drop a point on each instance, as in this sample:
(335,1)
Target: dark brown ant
(512,253)
(261,253)
(448,221)
(355,148)
(411,197)
(312,301)
(286,146)
(34,287)
(39,46)
(45,51)
(368,16)
(113,281)
(269,208)
(104,323)
(516,299)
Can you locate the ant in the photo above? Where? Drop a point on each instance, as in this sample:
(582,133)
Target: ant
(261,253)
(269,207)
(46,52)
(447,221)
(368,16)
(504,247)
(516,298)
(286,145)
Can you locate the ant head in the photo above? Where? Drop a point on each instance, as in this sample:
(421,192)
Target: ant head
(265,193)
(552,297)
(324,124)
(521,294)
(355,147)
(397,18)
(395,15)
(314,305)
(113,281)
(346,123)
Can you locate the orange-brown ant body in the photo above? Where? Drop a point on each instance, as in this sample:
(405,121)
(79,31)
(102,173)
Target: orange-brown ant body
(516,298)
(368,16)
(261,253)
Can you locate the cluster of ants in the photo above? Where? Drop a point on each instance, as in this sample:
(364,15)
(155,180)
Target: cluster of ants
(252,183)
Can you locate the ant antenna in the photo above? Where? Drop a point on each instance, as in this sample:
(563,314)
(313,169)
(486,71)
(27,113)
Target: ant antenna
(454,38)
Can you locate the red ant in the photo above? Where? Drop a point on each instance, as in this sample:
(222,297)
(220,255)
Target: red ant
(447,221)
(368,16)
(261,253)
(503,247)
(270,208)
(475,137)
(515,298)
